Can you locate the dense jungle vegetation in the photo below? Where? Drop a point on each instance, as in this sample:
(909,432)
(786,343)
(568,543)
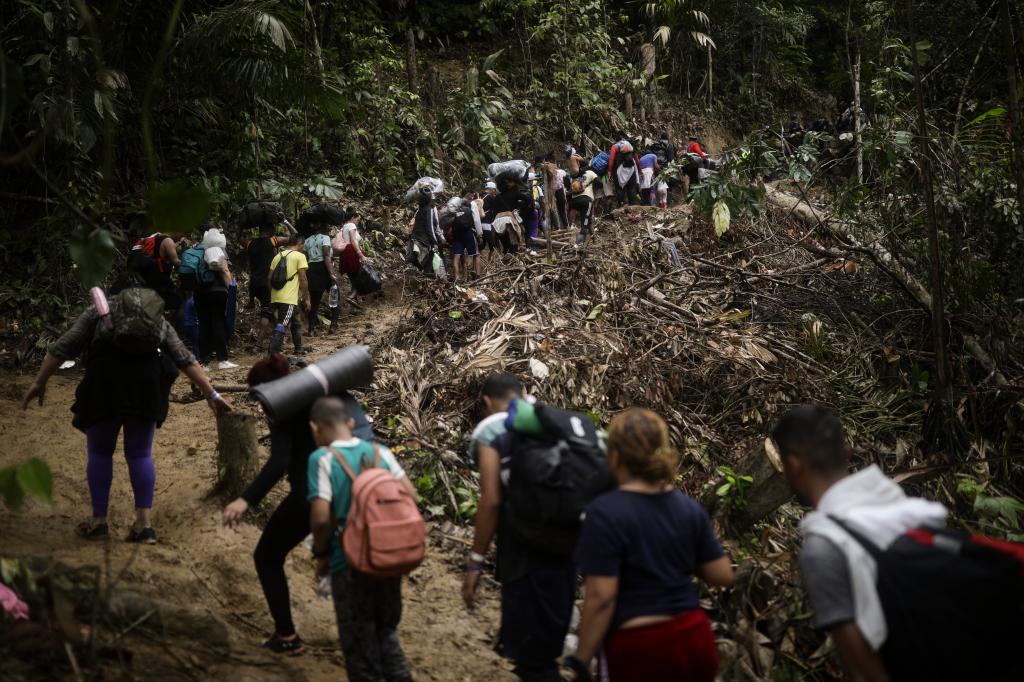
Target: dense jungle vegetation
(119,115)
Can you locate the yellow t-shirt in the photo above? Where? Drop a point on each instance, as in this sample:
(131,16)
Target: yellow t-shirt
(289,293)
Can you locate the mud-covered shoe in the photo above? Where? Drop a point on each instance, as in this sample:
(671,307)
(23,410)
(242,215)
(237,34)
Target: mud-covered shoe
(279,645)
(146,536)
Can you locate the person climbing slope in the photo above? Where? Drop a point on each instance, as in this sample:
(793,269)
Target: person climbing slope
(260,251)
(368,608)
(291,442)
(132,357)
(285,297)
(640,547)
(349,251)
(321,275)
(211,298)
(581,189)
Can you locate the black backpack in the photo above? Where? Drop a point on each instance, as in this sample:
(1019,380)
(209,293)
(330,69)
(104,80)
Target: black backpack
(552,478)
(953,604)
(280,275)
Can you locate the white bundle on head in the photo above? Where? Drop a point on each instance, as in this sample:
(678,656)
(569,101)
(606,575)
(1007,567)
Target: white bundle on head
(214,237)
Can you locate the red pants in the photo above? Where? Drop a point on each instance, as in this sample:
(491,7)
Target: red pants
(679,650)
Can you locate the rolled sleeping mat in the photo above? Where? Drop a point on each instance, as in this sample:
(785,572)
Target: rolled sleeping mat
(349,368)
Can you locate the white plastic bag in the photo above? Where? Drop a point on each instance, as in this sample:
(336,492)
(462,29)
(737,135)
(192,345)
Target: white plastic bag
(515,169)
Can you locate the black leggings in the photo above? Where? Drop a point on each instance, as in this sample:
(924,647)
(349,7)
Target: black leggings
(213,331)
(319,284)
(287,527)
(561,204)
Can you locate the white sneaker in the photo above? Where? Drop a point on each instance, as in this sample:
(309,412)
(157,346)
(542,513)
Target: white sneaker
(532,252)
(226,364)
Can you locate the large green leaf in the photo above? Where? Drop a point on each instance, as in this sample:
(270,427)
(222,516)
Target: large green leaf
(93,252)
(178,206)
(35,479)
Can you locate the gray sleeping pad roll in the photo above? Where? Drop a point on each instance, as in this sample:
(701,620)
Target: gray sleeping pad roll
(349,368)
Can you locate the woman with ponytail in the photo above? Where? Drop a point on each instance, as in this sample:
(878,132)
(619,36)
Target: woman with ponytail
(640,547)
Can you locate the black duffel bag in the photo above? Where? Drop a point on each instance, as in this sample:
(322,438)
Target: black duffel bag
(366,280)
(318,214)
(260,214)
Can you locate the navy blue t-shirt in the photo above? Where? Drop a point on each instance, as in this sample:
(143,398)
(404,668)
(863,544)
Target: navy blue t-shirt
(653,544)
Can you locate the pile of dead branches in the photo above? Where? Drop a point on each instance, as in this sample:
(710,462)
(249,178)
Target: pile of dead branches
(717,335)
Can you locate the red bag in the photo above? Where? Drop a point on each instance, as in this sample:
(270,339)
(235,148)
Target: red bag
(385,535)
(348,261)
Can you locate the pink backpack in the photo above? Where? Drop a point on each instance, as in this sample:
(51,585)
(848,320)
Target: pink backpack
(385,535)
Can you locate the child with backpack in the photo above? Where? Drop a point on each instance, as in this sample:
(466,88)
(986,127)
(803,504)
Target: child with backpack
(367,533)
(132,358)
(903,598)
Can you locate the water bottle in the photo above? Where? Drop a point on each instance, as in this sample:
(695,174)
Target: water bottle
(332,298)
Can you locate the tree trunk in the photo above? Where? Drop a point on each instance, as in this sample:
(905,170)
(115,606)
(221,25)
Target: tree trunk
(237,452)
(858,147)
(1013,101)
(888,263)
(764,495)
(711,82)
(627,105)
(316,40)
(410,60)
(935,254)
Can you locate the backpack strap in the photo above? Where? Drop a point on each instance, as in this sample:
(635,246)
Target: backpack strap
(869,546)
(343,463)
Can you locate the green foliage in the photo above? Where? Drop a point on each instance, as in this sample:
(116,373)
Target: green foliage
(29,478)
(734,491)
(178,207)
(1001,513)
(93,252)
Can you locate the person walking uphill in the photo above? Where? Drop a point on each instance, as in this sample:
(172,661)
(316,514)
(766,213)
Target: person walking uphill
(368,608)
(640,548)
(321,274)
(260,252)
(537,587)
(133,357)
(291,442)
(903,598)
(211,297)
(285,284)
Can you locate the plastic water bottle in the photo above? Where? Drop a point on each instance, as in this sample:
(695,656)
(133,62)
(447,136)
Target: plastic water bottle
(333,296)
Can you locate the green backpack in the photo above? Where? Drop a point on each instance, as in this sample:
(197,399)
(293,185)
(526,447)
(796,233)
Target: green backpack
(137,315)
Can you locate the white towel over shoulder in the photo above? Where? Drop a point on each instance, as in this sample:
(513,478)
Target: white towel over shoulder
(876,506)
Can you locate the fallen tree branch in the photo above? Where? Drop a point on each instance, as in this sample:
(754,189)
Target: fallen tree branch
(885,260)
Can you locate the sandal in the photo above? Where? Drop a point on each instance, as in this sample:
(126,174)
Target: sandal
(92,531)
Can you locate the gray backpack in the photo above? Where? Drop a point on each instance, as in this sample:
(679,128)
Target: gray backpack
(137,315)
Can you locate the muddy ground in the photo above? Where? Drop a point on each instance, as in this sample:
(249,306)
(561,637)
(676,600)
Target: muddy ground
(203,565)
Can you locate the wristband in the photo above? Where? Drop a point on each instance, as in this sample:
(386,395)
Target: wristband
(476,558)
(213,397)
(474,568)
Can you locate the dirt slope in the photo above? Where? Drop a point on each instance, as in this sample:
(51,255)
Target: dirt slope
(205,566)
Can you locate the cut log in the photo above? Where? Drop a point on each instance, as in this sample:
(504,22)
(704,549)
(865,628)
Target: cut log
(237,452)
(885,260)
(766,493)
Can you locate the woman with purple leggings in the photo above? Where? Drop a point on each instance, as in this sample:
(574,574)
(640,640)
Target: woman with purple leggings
(121,392)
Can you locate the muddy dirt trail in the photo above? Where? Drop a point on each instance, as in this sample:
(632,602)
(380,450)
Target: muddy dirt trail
(200,564)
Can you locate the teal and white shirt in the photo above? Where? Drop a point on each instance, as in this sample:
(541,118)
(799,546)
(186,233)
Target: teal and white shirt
(314,250)
(328,481)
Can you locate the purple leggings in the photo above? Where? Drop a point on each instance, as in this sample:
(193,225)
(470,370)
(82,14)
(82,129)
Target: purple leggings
(101,440)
